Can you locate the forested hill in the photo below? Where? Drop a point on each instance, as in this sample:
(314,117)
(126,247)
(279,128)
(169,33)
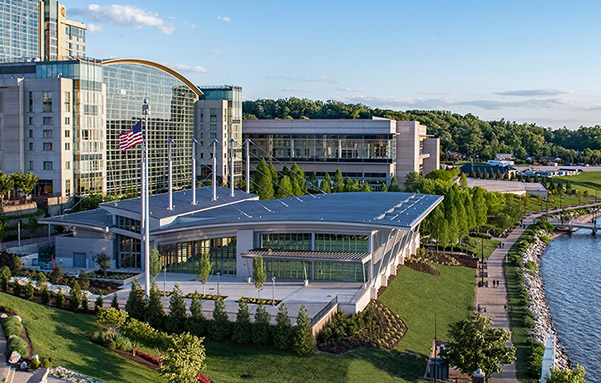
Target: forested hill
(467,134)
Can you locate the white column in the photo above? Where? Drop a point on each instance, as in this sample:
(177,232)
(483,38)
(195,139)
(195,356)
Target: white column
(214,143)
(170,167)
(232,167)
(146,211)
(194,142)
(247,143)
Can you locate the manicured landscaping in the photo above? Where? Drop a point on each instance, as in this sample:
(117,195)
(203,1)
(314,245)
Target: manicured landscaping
(110,275)
(585,181)
(474,246)
(64,336)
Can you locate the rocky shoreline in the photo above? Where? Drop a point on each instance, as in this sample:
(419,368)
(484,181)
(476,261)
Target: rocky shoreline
(533,282)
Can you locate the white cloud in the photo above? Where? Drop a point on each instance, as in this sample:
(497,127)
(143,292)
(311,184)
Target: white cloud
(224,18)
(94,28)
(188,68)
(215,52)
(533,92)
(124,15)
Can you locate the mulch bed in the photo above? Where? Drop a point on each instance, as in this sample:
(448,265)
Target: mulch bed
(420,266)
(137,359)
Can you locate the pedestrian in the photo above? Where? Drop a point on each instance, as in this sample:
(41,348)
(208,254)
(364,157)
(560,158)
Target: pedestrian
(479,308)
(505,307)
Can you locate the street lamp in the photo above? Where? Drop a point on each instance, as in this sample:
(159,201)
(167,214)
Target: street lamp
(482,238)
(164,280)
(218,275)
(273,291)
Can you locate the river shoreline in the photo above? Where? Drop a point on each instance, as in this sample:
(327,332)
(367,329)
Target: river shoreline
(533,281)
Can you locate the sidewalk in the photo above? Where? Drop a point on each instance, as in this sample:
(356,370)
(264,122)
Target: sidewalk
(494,299)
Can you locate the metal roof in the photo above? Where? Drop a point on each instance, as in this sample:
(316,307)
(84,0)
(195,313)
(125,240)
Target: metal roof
(305,255)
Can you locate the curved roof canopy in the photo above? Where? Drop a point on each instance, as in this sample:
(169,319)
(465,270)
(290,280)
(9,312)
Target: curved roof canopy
(158,66)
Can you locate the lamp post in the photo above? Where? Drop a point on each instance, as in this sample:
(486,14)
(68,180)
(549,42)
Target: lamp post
(273,291)
(482,238)
(218,275)
(164,280)
(19,232)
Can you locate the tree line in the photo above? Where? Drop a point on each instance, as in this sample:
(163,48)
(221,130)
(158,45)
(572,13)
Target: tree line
(467,134)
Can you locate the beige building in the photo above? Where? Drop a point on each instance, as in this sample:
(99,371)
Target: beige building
(63,38)
(370,150)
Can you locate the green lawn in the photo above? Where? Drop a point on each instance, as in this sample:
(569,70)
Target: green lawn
(64,336)
(413,295)
(554,202)
(585,181)
(474,245)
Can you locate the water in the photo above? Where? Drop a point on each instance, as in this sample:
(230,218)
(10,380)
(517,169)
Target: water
(571,269)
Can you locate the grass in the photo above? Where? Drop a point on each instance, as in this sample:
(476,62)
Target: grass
(554,202)
(517,312)
(585,181)
(474,245)
(64,336)
(413,295)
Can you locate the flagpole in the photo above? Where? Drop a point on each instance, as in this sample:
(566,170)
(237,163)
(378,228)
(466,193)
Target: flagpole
(146,211)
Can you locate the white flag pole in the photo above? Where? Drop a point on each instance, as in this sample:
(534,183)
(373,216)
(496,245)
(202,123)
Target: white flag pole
(146,212)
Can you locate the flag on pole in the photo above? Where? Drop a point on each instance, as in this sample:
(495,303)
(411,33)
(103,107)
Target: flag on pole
(131,138)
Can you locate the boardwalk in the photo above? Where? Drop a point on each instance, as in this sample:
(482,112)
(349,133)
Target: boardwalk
(495,299)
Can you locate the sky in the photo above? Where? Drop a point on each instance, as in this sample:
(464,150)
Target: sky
(524,61)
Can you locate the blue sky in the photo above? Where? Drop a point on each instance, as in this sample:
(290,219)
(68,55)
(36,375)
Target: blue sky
(534,61)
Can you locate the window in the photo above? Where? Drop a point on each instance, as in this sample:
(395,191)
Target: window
(202,156)
(67,101)
(67,146)
(67,165)
(213,135)
(30,102)
(47,121)
(47,134)
(213,115)
(31,146)
(30,120)
(213,127)
(202,115)
(47,165)
(30,165)
(30,133)
(67,133)
(47,146)
(68,187)
(46,101)
(67,120)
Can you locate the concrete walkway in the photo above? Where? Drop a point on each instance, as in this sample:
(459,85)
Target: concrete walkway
(494,300)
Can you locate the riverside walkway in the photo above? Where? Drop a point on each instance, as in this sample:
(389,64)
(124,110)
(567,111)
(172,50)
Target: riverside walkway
(494,299)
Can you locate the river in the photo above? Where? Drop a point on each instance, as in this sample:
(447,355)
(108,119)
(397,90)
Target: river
(571,268)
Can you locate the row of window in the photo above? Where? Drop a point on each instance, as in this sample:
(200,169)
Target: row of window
(47,102)
(49,165)
(323,242)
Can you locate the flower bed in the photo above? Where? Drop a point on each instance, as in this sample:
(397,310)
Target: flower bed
(71,376)
(203,379)
(148,357)
(258,301)
(201,296)
(111,275)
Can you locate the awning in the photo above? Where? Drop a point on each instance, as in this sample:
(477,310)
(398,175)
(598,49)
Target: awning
(304,255)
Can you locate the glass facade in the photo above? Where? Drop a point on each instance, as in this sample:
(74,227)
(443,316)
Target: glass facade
(183,257)
(19,30)
(129,252)
(323,242)
(325,147)
(287,241)
(171,116)
(287,269)
(338,271)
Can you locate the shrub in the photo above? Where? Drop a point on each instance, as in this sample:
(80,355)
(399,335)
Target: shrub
(28,290)
(122,343)
(112,318)
(35,364)
(220,327)
(45,295)
(196,323)
(4,283)
(282,337)
(17,265)
(99,337)
(84,280)
(99,304)
(45,363)
(177,311)
(139,332)
(84,302)
(243,327)
(528,322)
(12,326)
(17,344)
(261,329)
(535,359)
(115,302)
(59,298)
(40,279)
(56,276)
(531,266)
(154,313)
(17,288)
(135,301)
(303,341)
(75,297)
(5,273)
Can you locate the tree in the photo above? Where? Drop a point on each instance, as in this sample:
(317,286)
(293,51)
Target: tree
(261,329)
(56,276)
(221,327)
(176,319)
(566,375)
(284,188)
(5,275)
(304,341)
(259,274)
(6,185)
(17,265)
(184,359)
(45,295)
(103,261)
(325,184)
(338,182)
(262,182)
(75,296)
(154,312)
(99,304)
(24,182)
(242,327)
(394,185)
(135,305)
(282,336)
(204,269)
(475,344)
(480,208)
(84,280)
(155,264)
(115,302)
(111,318)
(196,323)
(59,298)
(29,290)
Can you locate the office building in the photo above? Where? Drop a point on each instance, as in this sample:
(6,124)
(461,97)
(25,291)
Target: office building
(371,151)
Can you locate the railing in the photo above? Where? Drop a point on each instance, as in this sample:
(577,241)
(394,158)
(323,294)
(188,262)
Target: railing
(325,310)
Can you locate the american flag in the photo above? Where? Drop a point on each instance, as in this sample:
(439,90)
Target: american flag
(131,138)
